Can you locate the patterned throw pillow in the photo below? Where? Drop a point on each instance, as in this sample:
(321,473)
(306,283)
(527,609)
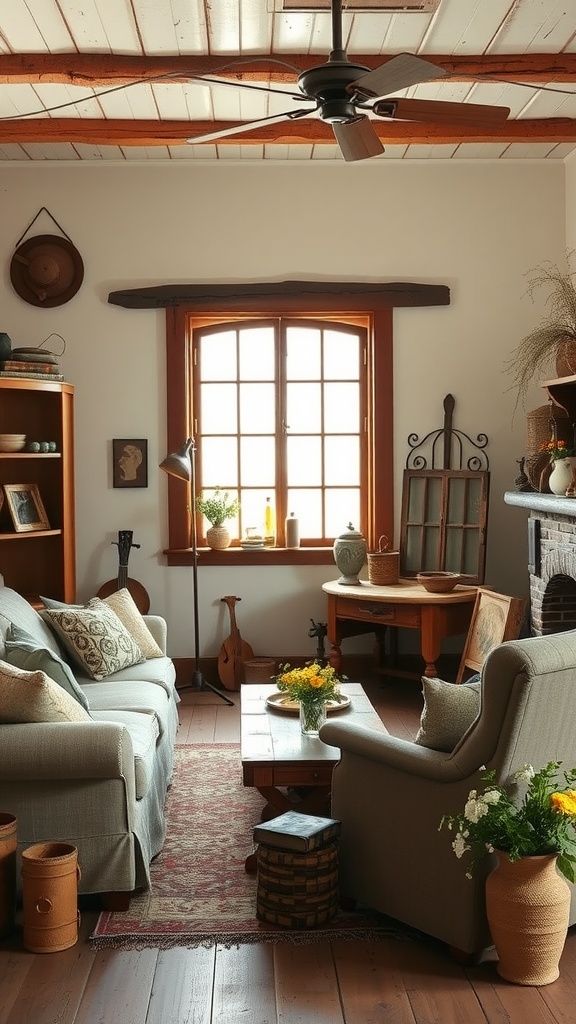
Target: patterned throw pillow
(449,709)
(96,638)
(123,604)
(23,651)
(33,697)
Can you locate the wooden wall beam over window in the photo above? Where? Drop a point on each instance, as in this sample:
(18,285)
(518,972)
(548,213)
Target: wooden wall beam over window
(311,293)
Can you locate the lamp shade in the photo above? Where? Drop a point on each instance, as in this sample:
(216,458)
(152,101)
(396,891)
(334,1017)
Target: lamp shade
(178,463)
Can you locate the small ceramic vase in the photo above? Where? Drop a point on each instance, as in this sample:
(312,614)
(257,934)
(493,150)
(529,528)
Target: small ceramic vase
(561,476)
(350,550)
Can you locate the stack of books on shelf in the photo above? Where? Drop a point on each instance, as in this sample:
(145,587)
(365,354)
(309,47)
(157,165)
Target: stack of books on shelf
(31,363)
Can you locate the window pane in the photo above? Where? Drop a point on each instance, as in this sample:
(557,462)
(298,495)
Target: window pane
(433,503)
(257,408)
(257,462)
(413,560)
(341,461)
(342,507)
(304,461)
(257,353)
(252,505)
(306,504)
(342,408)
(341,355)
(303,408)
(431,559)
(303,353)
(218,408)
(456,500)
(473,501)
(219,462)
(218,356)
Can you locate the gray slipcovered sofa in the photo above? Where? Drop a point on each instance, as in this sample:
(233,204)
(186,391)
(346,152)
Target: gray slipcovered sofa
(100,782)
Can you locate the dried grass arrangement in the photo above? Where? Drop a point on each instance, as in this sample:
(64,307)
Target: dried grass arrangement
(549,344)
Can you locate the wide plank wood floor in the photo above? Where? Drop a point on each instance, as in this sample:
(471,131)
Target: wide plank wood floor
(384,982)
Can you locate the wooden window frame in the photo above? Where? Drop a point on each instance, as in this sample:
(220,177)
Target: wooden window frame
(379,431)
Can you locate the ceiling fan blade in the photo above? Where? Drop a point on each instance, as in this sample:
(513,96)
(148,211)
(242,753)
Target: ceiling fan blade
(397,73)
(357,139)
(476,115)
(247,126)
(211,80)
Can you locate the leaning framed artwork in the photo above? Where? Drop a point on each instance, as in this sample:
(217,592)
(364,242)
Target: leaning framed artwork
(129,462)
(26,508)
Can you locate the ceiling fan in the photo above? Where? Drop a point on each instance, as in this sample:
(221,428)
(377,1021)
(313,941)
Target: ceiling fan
(340,92)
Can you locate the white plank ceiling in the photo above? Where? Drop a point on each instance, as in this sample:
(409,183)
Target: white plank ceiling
(115,79)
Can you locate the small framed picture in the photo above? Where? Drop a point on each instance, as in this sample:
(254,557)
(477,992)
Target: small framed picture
(129,462)
(26,508)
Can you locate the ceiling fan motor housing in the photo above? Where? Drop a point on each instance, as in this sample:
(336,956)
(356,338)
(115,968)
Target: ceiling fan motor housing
(327,84)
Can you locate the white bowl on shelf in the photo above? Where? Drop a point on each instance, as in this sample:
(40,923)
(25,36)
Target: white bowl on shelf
(12,442)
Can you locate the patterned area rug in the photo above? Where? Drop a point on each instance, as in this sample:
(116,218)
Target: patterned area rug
(201,893)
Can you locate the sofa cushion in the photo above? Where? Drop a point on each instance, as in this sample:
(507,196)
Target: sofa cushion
(15,608)
(23,651)
(95,637)
(130,696)
(449,710)
(143,729)
(159,671)
(33,697)
(122,602)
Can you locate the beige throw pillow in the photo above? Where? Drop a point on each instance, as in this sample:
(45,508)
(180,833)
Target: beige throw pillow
(123,604)
(449,710)
(96,638)
(33,697)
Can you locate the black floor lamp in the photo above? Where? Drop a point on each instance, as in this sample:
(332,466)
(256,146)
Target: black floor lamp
(182,464)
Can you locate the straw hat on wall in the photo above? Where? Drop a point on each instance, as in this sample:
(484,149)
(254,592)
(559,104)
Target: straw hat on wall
(46,270)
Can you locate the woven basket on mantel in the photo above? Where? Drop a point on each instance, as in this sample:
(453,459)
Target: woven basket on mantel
(541,423)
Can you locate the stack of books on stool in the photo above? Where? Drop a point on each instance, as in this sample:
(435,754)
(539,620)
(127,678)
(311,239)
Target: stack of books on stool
(297,862)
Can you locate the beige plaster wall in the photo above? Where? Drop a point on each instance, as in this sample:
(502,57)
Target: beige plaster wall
(477,228)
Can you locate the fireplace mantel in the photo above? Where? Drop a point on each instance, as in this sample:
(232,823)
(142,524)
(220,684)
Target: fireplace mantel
(550,503)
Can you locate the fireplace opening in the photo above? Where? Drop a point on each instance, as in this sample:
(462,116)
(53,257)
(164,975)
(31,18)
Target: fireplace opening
(559,605)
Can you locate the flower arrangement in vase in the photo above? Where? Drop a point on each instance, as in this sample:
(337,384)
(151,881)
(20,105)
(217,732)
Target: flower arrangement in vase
(561,478)
(312,686)
(527,901)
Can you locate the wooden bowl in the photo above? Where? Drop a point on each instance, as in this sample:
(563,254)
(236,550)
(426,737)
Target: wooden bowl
(438,582)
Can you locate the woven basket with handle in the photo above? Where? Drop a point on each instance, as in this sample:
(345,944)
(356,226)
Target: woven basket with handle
(383,565)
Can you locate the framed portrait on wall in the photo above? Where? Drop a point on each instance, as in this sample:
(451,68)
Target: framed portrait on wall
(129,462)
(26,509)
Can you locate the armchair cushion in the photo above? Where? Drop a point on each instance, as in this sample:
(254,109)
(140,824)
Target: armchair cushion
(449,710)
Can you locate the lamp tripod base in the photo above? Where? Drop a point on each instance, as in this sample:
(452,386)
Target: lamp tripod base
(199,684)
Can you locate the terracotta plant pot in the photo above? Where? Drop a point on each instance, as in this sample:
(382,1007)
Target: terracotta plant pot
(528,906)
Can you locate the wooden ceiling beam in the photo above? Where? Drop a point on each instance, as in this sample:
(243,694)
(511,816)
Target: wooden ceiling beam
(309,131)
(96,70)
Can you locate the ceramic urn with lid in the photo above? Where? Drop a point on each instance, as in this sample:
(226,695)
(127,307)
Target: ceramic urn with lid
(350,550)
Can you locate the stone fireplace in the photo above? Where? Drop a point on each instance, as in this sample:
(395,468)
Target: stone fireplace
(551,560)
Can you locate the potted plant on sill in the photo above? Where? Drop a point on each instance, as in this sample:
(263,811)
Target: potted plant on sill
(217,508)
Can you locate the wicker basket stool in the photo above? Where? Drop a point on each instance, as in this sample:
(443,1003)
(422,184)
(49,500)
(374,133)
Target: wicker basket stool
(297,890)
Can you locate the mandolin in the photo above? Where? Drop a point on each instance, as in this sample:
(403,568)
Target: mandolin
(123,580)
(234,652)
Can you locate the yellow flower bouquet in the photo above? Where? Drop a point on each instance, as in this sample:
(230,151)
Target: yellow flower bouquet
(312,685)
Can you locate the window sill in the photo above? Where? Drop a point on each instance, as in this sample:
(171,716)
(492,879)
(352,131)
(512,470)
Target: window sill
(239,556)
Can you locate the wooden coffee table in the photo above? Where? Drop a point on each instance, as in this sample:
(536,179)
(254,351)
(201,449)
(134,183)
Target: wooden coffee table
(292,771)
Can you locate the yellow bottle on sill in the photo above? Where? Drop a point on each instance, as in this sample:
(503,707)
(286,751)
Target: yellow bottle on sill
(269,525)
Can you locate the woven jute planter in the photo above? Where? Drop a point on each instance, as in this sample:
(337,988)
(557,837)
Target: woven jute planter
(528,907)
(8,842)
(50,875)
